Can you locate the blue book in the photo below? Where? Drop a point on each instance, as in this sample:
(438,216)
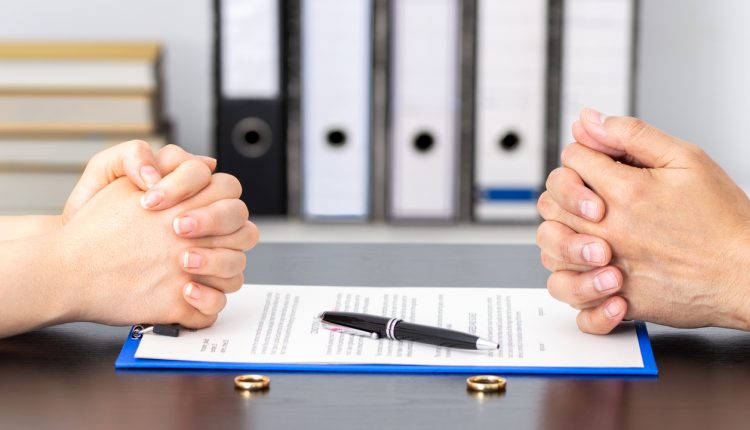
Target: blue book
(127,360)
(273,327)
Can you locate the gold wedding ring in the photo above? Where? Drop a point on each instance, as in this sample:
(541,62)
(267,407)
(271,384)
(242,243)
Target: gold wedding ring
(485,383)
(252,382)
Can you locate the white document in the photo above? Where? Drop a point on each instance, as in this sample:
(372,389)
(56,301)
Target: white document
(597,62)
(278,324)
(511,76)
(424,109)
(250,49)
(336,107)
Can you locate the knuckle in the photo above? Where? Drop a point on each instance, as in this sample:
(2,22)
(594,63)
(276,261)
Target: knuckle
(635,128)
(578,290)
(179,313)
(228,183)
(196,167)
(242,208)
(544,205)
(235,283)
(547,261)
(626,192)
(542,232)
(251,235)
(552,286)
(171,148)
(221,302)
(200,320)
(169,152)
(695,152)
(138,147)
(233,209)
(567,249)
(567,156)
(553,177)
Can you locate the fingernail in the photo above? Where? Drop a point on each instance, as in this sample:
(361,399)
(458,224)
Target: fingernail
(191,260)
(613,309)
(151,198)
(150,176)
(593,253)
(192,291)
(589,209)
(594,117)
(184,225)
(605,281)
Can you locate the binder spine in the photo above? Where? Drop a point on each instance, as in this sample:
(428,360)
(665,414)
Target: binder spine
(510,109)
(250,119)
(336,109)
(424,110)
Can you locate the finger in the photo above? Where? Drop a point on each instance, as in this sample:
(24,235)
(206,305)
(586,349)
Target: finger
(646,144)
(222,186)
(133,159)
(603,318)
(550,210)
(206,300)
(564,244)
(171,156)
(241,240)
(553,264)
(224,263)
(597,170)
(567,188)
(225,285)
(580,289)
(583,137)
(217,219)
(187,180)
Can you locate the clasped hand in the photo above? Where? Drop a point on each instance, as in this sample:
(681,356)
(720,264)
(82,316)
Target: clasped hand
(642,225)
(142,238)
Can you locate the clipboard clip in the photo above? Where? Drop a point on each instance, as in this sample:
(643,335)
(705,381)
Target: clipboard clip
(344,329)
(171,330)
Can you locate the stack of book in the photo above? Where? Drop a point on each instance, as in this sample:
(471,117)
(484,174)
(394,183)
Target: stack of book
(62,103)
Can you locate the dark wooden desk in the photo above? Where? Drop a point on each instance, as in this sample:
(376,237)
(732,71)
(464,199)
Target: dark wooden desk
(63,377)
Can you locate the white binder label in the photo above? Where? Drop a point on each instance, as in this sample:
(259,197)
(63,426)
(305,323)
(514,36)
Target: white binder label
(336,80)
(597,59)
(250,49)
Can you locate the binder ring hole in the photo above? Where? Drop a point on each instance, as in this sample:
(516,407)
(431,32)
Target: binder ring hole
(510,141)
(424,142)
(336,137)
(251,137)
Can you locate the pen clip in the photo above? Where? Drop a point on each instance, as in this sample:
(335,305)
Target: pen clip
(344,329)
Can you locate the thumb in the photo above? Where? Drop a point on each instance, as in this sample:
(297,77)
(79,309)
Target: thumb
(636,141)
(133,159)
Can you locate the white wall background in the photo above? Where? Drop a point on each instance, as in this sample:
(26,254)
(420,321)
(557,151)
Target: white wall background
(694,77)
(693,81)
(183,26)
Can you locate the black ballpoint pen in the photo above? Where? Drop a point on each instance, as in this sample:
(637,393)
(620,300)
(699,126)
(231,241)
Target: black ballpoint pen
(378,327)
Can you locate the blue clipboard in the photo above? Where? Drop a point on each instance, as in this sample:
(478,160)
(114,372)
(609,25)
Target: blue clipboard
(127,360)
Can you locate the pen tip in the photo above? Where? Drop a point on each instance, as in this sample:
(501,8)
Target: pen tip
(485,345)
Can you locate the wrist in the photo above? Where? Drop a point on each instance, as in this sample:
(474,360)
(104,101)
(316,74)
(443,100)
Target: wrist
(18,227)
(738,299)
(72,277)
(59,291)
(30,292)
